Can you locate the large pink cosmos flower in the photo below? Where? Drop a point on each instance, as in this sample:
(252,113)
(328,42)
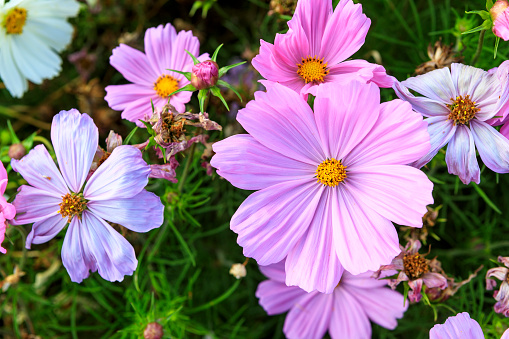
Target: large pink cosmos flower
(345,313)
(329,183)
(115,192)
(148,72)
(7,211)
(458,326)
(315,48)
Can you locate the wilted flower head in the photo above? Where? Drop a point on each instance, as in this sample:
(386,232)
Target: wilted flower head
(204,74)
(153,331)
(416,270)
(441,295)
(17,151)
(344,313)
(84,62)
(428,221)
(7,210)
(458,326)
(502,295)
(500,16)
(115,192)
(238,270)
(458,104)
(441,56)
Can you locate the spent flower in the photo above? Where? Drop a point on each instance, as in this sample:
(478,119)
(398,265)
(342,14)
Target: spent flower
(502,295)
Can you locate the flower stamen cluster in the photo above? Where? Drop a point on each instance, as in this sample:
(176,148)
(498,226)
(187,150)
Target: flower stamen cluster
(463,109)
(15,21)
(165,85)
(312,69)
(72,205)
(415,265)
(331,172)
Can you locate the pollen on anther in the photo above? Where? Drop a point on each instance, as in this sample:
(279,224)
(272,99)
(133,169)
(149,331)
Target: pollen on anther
(312,69)
(331,172)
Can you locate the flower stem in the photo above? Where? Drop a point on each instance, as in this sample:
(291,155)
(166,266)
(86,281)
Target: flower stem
(479,48)
(182,179)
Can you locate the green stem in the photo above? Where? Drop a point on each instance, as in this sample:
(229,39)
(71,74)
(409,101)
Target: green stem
(479,48)
(216,301)
(46,143)
(183,178)
(22,231)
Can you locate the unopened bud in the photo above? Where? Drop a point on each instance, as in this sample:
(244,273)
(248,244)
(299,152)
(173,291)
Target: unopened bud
(205,74)
(498,8)
(17,151)
(238,271)
(153,331)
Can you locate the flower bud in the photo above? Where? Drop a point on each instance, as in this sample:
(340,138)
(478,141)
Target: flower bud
(498,8)
(153,331)
(17,151)
(205,74)
(238,271)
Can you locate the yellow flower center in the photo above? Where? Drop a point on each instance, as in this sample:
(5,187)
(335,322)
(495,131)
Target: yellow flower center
(331,172)
(415,266)
(72,205)
(312,69)
(165,85)
(15,20)
(462,110)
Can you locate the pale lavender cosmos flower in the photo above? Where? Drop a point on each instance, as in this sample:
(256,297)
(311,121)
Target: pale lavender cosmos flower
(459,105)
(330,182)
(114,193)
(502,295)
(315,48)
(148,72)
(345,313)
(458,326)
(7,210)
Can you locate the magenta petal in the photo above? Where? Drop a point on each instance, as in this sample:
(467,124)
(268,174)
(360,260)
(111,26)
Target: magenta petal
(121,96)
(365,240)
(275,271)
(458,326)
(140,109)
(133,65)
(75,139)
(276,297)
(270,222)
(39,170)
(123,175)
(440,131)
(288,124)
(398,193)
(76,261)
(461,158)
(249,165)
(45,230)
(33,204)
(113,255)
(313,264)
(140,213)
(309,318)
(399,137)
(501,25)
(159,43)
(349,319)
(3,228)
(344,115)
(492,146)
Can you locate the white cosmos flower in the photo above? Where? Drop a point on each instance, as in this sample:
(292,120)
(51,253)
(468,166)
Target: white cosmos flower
(32,32)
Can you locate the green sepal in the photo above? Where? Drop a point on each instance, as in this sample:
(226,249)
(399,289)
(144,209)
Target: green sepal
(186,74)
(151,142)
(196,6)
(29,142)
(483,14)
(187,87)
(496,48)
(405,292)
(223,70)
(15,139)
(149,128)
(485,26)
(196,61)
(217,93)
(214,56)
(126,141)
(489,4)
(163,151)
(202,96)
(227,85)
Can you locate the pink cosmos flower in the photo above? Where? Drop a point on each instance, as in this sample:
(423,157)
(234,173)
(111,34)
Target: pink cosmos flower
(329,182)
(458,326)
(148,72)
(500,16)
(502,295)
(7,211)
(346,313)
(315,48)
(114,193)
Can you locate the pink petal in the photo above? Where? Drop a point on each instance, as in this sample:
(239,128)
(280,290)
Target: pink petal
(349,319)
(365,239)
(140,213)
(359,70)
(3,227)
(425,106)
(461,156)
(363,280)
(121,96)
(310,317)
(414,295)
(133,65)
(437,85)
(399,137)
(159,44)
(276,297)
(140,109)
(313,264)
(75,257)
(501,26)
(45,230)
(440,130)
(75,139)
(39,170)
(432,280)
(459,326)
(270,222)
(282,121)
(33,204)
(344,115)
(493,147)
(249,165)
(275,271)
(398,193)
(122,176)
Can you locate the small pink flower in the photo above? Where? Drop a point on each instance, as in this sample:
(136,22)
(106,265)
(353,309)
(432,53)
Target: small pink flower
(7,211)
(458,326)
(205,74)
(345,313)
(500,15)
(502,295)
